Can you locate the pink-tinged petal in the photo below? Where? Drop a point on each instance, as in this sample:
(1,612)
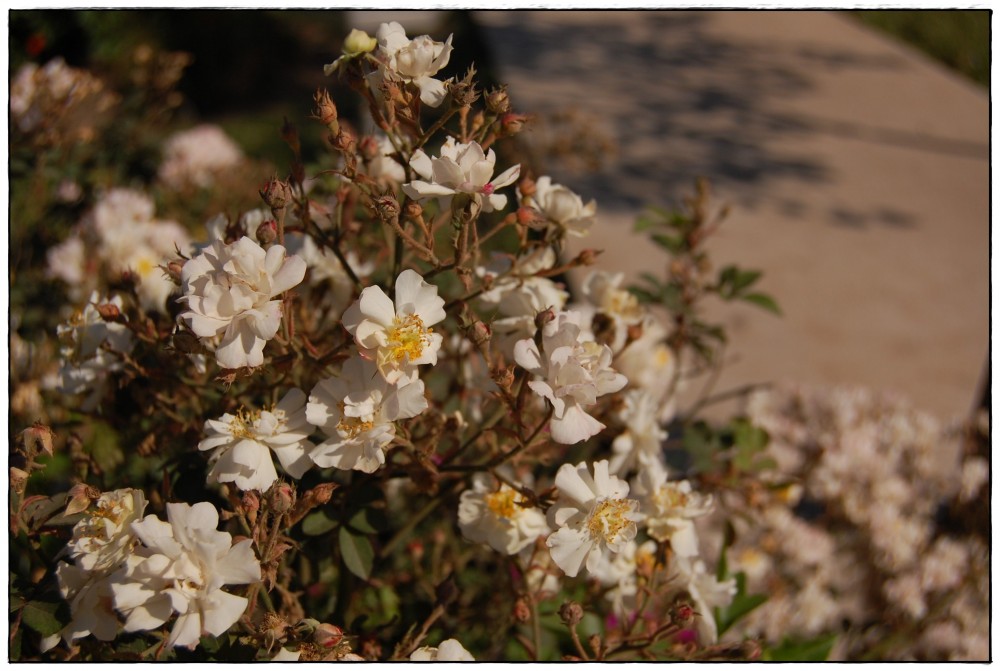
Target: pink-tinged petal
(569,548)
(375,306)
(291,274)
(295,458)
(574,426)
(421,164)
(239,566)
(577,483)
(480,173)
(421,190)
(186,631)
(507,177)
(408,401)
(224,611)
(496,201)
(232,351)
(432,91)
(527,356)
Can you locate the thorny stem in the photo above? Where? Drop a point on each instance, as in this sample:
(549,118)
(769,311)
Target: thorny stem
(577,643)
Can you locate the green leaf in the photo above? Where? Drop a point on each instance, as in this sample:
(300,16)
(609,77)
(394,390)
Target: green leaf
(763,301)
(644,222)
(790,650)
(368,521)
(741,605)
(42,617)
(317,524)
(671,243)
(357,553)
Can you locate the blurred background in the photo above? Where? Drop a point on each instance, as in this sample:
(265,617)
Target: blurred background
(851,147)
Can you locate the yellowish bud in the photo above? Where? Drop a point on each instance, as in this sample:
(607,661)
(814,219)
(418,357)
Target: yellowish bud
(358,42)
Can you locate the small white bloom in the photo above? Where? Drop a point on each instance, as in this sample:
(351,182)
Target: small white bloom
(183,567)
(517,295)
(91,351)
(670,508)
(649,364)
(397,335)
(415,61)
(619,573)
(498,518)
(102,543)
(460,168)
(229,291)
(593,516)
(603,291)
(706,592)
(574,373)
(448,651)
(357,410)
(197,156)
(243,443)
(561,207)
(642,441)
(68,261)
(384,168)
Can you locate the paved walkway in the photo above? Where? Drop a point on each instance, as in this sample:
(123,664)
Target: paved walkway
(858,172)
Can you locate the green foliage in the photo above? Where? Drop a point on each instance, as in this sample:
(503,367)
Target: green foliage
(356,552)
(791,650)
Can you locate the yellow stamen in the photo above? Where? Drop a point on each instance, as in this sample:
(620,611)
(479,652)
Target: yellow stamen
(407,338)
(608,519)
(351,427)
(502,503)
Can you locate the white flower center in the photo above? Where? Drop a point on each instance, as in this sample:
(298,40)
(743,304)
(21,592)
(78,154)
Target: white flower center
(670,496)
(351,427)
(609,519)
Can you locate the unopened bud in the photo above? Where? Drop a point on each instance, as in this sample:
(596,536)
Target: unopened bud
(497,101)
(18,479)
(80,497)
(522,611)
(544,317)
(571,613)
(358,42)
(282,497)
(414,210)
(174,271)
(368,146)
(37,438)
(504,377)
(527,187)
(306,627)
(327,636)
(682,614)
(326,111)
(463,92)
(251,504)
(416,549)
(267,232)
(110,312)
(276,193)
(751,650)
(588,257)
(511,124)
(480,332)
(322,493)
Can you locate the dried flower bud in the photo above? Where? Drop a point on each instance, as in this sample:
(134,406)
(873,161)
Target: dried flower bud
(282,497)
(480,332)
(544,317)
(522,611)
(345,142)
(110,312)
(463,92)
(571,613)
(327,636)
(18,479)
(504,377)
(250,504)
(80,496)
(267,232)
(37,437)
(497,101)
(276,194)
(386,207)
(326,111)
(174,270)
(274,629)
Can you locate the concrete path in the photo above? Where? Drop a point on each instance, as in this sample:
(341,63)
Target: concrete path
(857,171)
